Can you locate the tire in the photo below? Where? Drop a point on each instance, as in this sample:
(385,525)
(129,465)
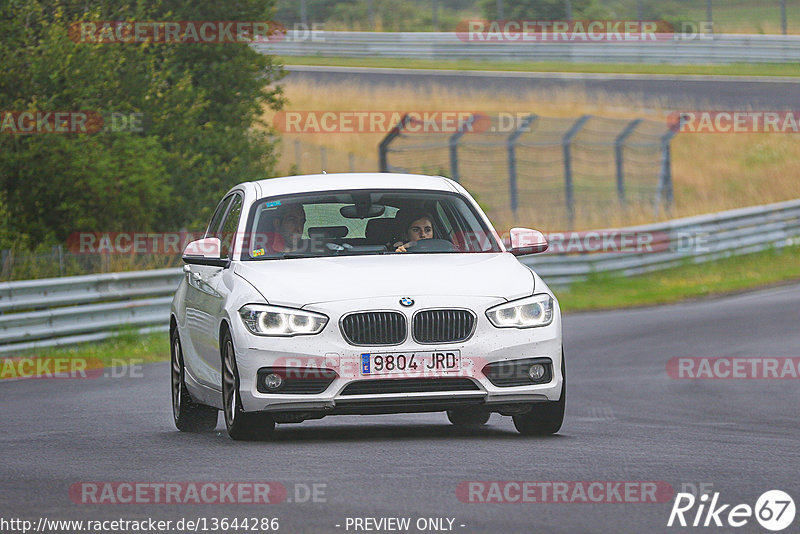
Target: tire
(242,426)
(469,417)
(545,418)
(189,416)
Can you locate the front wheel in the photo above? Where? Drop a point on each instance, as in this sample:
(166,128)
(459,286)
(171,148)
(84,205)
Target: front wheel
(545,418)
(240,424)
(188,416)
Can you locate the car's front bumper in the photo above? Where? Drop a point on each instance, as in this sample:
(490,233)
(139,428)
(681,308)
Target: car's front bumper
(330,351)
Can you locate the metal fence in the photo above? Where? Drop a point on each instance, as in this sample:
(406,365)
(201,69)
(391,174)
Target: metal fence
(553,167)
(61,311)
(713,49)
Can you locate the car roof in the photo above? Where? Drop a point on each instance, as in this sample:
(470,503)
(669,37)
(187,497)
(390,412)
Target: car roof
(351,181)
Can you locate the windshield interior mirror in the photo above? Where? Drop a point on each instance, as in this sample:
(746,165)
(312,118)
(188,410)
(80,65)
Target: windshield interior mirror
(362,211)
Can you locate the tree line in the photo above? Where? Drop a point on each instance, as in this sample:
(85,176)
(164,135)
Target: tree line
(172,125)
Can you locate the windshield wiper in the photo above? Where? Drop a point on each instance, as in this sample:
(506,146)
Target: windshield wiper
(287,255)
(294,255)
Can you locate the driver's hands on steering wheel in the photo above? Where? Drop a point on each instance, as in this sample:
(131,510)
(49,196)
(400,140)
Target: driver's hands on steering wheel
(401,247)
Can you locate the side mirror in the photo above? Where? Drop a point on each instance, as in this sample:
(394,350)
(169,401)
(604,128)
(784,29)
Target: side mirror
(526,241)
(205,251)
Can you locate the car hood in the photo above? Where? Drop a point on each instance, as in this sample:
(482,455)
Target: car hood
(299,282)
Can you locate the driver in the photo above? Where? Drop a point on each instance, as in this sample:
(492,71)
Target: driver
(419,226)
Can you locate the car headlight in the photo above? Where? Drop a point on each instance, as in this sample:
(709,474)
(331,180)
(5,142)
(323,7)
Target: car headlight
(263,320)
(529,312)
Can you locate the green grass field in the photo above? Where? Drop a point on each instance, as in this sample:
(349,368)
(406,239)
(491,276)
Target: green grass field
(729,275)
(128,350)
(737,69)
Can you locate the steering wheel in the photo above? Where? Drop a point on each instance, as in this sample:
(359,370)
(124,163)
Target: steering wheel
(431,245)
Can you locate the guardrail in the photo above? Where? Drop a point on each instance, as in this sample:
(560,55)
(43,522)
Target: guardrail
(61,311)
(75,309)
(696,239)
(712,49)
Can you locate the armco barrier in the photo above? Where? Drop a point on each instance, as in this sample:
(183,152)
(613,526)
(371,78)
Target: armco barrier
(695,239)
(60,311)
(712,49)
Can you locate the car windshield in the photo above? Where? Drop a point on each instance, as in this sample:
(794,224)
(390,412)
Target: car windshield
(364,222)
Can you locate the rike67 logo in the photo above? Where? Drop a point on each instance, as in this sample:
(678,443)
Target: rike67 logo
(774,510)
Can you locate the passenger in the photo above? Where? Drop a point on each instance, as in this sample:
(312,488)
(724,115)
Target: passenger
(288,223)
(420,226)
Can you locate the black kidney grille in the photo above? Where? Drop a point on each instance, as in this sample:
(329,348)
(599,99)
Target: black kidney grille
(443,326)
(375,328)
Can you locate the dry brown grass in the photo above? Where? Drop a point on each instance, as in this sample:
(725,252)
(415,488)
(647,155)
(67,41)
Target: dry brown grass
(711,172)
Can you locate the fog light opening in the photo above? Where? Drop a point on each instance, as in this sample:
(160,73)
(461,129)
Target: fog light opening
(536,372)
(273,381)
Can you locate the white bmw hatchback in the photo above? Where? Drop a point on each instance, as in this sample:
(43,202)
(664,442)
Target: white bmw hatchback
(362,294)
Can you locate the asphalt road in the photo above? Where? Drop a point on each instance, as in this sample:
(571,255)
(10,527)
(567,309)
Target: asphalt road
(664,92)
(626,420)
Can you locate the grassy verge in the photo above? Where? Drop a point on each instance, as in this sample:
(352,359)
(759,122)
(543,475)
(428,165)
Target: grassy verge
(128,350)
(128,346)
(736,69)
(728,275)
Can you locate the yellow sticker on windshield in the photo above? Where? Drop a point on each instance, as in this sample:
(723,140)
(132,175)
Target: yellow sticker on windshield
(258,252)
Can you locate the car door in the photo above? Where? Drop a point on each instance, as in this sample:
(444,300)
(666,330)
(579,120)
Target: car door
(192,320)
(210,299)
(216,306)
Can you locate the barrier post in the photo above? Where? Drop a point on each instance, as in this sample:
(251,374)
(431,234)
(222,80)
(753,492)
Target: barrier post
(523,127)
(618,157)
(566,141)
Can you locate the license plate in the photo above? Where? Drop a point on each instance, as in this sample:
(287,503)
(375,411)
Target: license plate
(410,363)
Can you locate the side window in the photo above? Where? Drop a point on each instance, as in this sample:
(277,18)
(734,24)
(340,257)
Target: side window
(213,226)
(465,219)
(229,226)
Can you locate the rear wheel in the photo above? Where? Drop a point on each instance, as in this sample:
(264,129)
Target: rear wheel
(188,415)
(469,417)
(545,418)
(240,424)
